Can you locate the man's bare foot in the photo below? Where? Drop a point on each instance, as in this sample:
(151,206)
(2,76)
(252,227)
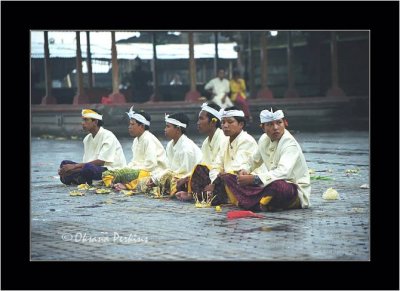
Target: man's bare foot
(184,196)
(119,186)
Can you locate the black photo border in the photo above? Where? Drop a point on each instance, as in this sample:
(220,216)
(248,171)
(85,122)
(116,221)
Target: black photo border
(381,18)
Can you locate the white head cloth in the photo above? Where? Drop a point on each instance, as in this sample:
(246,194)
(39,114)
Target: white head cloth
(174,121)
(211,110)
(88,113)
(138,117)
(232,113)
(268,116)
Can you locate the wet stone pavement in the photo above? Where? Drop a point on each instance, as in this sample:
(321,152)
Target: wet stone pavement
(117,227)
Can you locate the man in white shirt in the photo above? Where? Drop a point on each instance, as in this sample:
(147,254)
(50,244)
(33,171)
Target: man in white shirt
(182,155)
(219,89)
(209,123)
(234,152)
(286,183)
(148,154)
(102,151)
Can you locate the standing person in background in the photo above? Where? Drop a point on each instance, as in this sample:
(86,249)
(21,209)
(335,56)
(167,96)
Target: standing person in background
(219,90)
(176,80)
(141,83)
(238,94)
(102,151)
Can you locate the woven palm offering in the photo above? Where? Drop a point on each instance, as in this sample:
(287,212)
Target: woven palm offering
(205,201)
(165,184)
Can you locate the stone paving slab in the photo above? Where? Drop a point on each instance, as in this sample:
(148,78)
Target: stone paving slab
(117,227)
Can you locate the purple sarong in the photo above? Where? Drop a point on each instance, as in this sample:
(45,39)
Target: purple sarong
(201,179)
(283,194)
(87,174)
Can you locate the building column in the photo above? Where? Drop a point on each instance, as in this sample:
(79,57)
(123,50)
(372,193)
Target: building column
(48,98)
(250,66)
(264,92)
(238,49)
(80,97)
(193,94)
(156,94)
(291,92)
(89,61)
(216,53)
(204,72)
(335,90)
(115,96)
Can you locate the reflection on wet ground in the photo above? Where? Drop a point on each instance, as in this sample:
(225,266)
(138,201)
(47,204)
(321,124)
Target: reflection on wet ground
(329,230)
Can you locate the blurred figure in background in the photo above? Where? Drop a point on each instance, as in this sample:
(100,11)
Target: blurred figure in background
(176,80)
(238,94)
(219,90)
(141,83)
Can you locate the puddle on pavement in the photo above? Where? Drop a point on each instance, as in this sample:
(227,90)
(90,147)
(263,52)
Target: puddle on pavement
(276,218)
(89,206)
(236,228)
(225,220)
(233,224)
(338,152)
(39,219)
(345,164)
(122,200)
(267,229)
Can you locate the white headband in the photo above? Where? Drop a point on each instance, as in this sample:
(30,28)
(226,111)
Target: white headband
(174,121)
(232,113)
(88,113)
(211,110)
(268,116)
(138,117)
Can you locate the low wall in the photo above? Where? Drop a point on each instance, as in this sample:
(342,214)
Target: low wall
(304,114)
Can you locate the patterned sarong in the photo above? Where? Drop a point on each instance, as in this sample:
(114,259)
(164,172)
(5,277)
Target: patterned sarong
(200,179)
(135,180)
(87,174)
(168,183)
(276,196)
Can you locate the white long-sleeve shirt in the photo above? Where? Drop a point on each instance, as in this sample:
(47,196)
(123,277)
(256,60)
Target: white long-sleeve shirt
(106,147)
(219,88)
(148,153)
(284,160)
(233,155)
(181,158)
(210,149)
